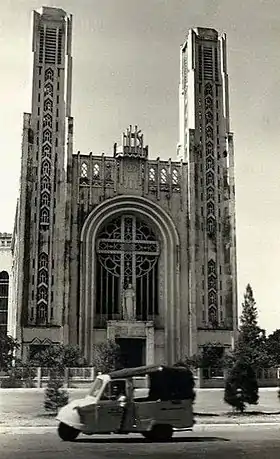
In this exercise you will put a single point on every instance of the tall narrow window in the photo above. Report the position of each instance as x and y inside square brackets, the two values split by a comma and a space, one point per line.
[48, 105]
[43, 260]
[46, 167]
[96, 172]
[152, 175]
[44, 217]
[47, 120]
[163, 176]
[175, 177]
[47, 136]
[49, 74]
[49, 90]
[84, 170]
[4, 296]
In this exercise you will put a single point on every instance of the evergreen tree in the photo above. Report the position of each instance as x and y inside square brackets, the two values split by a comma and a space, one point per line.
[250, 347]
[55, 395]
[273, 348]
[241, 386]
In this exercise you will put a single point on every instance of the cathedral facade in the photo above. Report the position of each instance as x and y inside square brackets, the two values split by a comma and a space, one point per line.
[125, 247]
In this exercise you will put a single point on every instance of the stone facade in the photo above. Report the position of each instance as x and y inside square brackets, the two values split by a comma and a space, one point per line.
[108, 247]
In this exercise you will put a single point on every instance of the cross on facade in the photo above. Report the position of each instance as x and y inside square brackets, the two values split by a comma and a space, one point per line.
[130, 250]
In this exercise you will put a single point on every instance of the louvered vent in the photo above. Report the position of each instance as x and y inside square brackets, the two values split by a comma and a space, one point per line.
[185, 71]
[208, 63]
[50, 46]
[41, 45]
[200, 62]
[216, 65]
[59, 47]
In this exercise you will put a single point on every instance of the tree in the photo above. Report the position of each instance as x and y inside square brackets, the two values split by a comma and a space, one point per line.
[59, 356]
[72, 357]
[273, 348]
[250, 347]
[55, 395]
[106, 356]
[211, 356]
[241, 386]
[7, 347]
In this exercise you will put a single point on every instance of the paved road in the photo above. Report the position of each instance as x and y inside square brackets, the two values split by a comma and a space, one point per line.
[230, 443]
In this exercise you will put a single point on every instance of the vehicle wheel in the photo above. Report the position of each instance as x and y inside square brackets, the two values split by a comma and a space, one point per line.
[159, 432]
[67, 433]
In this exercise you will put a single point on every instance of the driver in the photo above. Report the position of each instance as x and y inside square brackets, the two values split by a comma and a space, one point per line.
[118, 389]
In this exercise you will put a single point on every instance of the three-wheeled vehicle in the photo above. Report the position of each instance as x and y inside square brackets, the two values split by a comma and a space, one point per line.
[116, 404]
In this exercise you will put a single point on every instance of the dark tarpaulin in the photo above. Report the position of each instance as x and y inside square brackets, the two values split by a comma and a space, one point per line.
[166, 382]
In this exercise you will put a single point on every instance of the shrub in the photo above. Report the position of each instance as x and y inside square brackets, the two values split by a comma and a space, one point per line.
[59, 356]
[241, 386]
[55, 395]
[8, 345]
[21, 375]
[106, 356]
[11, 382]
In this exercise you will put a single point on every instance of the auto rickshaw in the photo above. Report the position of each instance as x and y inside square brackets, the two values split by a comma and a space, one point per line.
[116, 404]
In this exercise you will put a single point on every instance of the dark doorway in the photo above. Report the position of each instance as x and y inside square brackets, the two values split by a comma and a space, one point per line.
[133, 353]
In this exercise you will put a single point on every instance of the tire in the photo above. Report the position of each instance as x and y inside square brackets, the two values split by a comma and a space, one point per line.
[159, 432]
[67, 433]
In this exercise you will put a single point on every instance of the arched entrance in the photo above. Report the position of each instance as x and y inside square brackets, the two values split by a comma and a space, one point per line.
[130, 248]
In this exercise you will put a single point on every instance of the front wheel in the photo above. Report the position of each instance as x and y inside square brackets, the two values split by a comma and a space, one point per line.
[67, 433]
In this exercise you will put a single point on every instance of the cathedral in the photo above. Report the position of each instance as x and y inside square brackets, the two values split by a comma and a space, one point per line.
[124, 247]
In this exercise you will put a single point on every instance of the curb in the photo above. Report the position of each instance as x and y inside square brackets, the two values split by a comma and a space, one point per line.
[198, 428]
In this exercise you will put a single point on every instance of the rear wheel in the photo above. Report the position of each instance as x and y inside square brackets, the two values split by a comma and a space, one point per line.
[67, 433]
[159, 432]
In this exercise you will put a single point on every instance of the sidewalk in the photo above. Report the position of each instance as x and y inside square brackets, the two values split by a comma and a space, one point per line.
[44, 420]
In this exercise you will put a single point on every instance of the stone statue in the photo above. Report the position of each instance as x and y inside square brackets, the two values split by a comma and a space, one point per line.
[129, 312]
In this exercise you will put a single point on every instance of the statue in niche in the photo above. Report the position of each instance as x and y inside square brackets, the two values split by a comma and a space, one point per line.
[129, 303]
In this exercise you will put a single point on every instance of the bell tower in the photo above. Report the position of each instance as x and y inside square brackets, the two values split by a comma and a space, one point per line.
[46, 150]
[206, 143]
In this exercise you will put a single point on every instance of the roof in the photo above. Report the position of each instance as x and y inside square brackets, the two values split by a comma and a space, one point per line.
[145, 370]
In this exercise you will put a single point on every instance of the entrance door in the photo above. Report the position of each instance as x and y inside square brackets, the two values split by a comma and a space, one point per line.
[133, 352]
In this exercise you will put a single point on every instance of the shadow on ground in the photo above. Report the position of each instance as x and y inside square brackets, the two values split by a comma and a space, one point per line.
[237, 414]
[143, 440]
[254, 413]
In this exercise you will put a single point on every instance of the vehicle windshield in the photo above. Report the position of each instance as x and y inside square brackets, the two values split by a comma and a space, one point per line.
[95, 388]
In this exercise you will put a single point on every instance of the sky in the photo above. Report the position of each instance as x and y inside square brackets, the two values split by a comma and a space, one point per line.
[126, 71]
